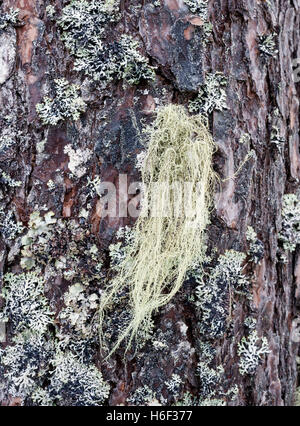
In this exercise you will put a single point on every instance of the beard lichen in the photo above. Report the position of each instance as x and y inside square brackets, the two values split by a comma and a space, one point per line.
[165, 244]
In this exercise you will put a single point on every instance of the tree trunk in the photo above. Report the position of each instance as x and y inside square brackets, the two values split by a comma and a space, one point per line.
[254, 46]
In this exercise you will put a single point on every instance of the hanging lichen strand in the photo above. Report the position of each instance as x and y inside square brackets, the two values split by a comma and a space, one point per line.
[169, 235]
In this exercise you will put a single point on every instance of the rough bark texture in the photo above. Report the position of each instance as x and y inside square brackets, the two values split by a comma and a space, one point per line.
[32, 55]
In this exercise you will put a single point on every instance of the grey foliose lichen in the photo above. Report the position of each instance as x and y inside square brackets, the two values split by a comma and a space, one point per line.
[256, 247]
[143, 395]
[84, 22]
[251, 351]
[74, 383]
[79, 309]
[8, 18]
[43, 368]
[213, 294]
[25, 303]
[290, 232]
[174, 384]
[50, 11]
[77, 160]
[276, 137]
[213, 386]
[119, 250]
[64, 104]
[198, 7]
[212, 95]
[8, 180]
[6, 141]
[33, 360]
[25, 363]
[267, 45]
[84, 26]
[10, 135]
[10, 228]
[120, 60]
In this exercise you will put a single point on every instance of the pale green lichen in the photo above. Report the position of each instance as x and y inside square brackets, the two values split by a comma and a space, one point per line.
[65, 104]
[61, 247]
[120, 249]
[79, 310]
[6, 142]
[42, 368]
[206, 351]
[180, 150]
[77, 158]
[94, 186]
[41, 397]
[51, 359]
[250, 323]
[214, 388]
[200, 8]
[83, 23]
[38, 232]
[207, 29]
[210, 378]
[188, 400]
[121, 61]
[36, 370]
[51, 185]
